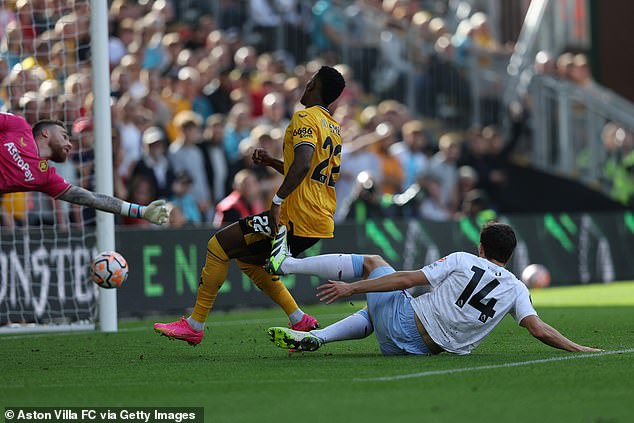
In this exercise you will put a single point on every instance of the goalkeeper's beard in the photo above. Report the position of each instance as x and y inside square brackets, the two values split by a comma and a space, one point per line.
[58, 155]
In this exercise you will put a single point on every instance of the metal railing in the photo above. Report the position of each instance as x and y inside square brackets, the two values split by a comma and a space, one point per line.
[580, 132]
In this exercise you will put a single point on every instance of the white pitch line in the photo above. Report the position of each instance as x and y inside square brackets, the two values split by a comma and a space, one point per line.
[322, 380]
[492, 366]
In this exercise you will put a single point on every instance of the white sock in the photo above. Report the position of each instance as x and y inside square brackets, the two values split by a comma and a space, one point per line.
[328, 266]
[296, 316]
[196, 325]
[355, 326]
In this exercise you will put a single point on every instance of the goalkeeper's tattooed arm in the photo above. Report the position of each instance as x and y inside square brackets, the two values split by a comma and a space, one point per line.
[83, 197]
[156, 212]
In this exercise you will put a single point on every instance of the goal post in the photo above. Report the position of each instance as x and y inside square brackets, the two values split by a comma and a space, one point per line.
[103, 150]
[46, 245]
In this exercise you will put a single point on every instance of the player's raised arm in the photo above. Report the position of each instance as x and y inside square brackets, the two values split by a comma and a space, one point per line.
[156, 212]
[261, 157]
[551, 336]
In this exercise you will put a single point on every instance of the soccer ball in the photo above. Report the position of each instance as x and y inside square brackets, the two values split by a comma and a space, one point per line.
[109, 269]
[536, 276]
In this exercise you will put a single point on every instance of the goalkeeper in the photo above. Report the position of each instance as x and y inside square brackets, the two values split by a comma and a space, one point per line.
[24, 155]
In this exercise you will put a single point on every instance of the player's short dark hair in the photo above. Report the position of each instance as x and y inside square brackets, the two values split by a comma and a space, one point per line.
[45, 123]
[332, 83]
[498, 241]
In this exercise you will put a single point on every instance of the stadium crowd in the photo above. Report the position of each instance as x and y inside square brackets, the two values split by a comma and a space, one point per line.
[196, 86]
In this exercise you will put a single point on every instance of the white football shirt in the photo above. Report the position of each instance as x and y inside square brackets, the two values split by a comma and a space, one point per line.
[470, 296]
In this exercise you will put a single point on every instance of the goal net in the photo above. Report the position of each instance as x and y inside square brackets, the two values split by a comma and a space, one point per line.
[46, 244]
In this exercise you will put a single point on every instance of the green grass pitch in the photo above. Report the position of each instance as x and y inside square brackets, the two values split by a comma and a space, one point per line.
[237, 375]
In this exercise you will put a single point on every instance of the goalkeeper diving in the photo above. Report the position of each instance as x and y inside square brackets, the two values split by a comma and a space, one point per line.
[24, 155]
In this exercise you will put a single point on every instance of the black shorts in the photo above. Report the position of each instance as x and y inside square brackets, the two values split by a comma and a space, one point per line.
[257, 235]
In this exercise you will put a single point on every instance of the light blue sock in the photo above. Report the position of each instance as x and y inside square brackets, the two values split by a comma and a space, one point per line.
[357, 265]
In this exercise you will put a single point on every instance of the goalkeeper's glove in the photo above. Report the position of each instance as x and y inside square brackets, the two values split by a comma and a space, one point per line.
[156, 212]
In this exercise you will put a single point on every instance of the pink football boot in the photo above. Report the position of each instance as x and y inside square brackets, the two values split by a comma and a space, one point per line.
[307, 324]
[181, 330]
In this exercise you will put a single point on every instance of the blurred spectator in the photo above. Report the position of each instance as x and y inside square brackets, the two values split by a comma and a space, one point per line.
[141, 192]
[215, 157]
[564, 65]
[41, 58]
[83, 159]
[76, 89]
[357, 158]
[467, 182]
[482, 35]
[218, 92]
[580, 72]
[365, 32]
[442, 180]
[495, 180]
[49, 95]
[245, 59]
[442, 90]
[14, 209]
[476, 153]
[411, 152]
[394, 65]
[394, 113]
[274, 112]
[433, 206]
[183, 200]
[119, 186]
[119, 40]
[11, 50]
[244, 200]
[184, 154]
[267, 16]
[188, 88]
[238, 128]
[83, 153]
[369, 118]
[365, 201]
[132, 67]
[232, 15]
[619, 166]
[129, 118]
[29, 106]
[149, 37]
[151, 80]
[393, 175]
[18, 82]
[545, 64]
[476, 206]
[262, 136]
[328, 25]
[154, 164]
[119, 82]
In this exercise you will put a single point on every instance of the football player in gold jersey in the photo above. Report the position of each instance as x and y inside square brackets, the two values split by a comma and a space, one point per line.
[304, 204]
